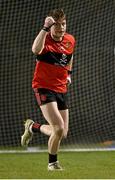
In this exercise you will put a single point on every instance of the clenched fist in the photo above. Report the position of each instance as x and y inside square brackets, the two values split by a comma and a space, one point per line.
[49, 21]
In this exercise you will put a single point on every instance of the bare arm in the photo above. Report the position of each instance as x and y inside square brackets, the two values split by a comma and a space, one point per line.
[70, 71]
[39, 42]
[71, 63]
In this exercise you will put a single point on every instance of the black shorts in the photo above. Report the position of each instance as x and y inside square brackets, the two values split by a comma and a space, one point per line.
[44, 96]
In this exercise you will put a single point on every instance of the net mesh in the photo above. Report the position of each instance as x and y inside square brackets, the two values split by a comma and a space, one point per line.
[92, 95]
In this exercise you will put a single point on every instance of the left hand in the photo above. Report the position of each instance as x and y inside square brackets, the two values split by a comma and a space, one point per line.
[69, 79]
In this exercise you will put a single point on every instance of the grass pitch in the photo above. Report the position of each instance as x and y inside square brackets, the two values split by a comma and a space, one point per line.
[77, 165]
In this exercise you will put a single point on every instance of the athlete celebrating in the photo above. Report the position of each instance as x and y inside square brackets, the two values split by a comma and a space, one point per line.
[54, 50]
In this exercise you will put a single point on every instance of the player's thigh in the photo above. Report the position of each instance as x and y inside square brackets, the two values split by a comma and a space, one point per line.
[52, 115]
[65, 116]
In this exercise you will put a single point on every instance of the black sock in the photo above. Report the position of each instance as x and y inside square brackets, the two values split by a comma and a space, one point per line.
[36, 127]
[52, 158]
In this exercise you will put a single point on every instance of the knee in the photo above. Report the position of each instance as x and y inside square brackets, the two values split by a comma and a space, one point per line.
[65, 132]
[59, 131]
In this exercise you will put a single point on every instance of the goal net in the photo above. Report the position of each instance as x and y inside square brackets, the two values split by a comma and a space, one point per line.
[92, 92]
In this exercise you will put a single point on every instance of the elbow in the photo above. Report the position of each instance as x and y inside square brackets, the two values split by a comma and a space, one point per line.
[34, 50]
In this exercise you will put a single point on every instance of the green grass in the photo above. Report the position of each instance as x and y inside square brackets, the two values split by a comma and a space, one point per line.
[78, 165]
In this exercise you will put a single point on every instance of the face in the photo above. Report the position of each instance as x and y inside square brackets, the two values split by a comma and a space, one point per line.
[58, 29]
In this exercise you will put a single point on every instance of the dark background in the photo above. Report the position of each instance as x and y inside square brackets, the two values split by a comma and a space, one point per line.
[92, 95]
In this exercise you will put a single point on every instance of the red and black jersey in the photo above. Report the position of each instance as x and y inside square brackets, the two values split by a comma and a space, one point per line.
[52, 64]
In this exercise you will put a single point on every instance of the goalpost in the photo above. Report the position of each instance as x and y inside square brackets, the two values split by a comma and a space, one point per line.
[91, 94]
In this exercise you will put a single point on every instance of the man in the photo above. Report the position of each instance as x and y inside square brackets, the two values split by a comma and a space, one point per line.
[54, 49]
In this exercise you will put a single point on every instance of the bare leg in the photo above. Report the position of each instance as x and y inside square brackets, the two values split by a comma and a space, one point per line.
[47, 129]
[65, 116]
[55, 120]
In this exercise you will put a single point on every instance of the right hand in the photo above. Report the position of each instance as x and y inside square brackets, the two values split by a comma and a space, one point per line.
[49, 21]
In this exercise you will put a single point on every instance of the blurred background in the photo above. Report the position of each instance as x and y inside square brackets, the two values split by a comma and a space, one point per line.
[92, 92]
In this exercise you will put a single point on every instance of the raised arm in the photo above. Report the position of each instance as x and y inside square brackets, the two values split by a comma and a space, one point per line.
[39, 41]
